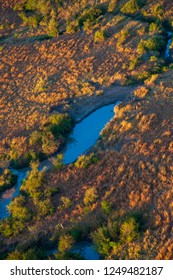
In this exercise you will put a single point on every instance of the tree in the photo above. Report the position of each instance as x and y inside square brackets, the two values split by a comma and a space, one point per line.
[18, 209]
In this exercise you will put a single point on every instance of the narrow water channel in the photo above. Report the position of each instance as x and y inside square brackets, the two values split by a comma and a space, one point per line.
[84, 135]
[167, 54]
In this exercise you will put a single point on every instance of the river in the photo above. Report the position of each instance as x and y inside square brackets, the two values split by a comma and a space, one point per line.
[84, 135]
[167, 54]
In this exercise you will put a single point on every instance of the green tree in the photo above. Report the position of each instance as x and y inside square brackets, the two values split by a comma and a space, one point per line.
[18, 209]
[53, 27]
[131, 7]
[90, 196]
[65, 243]
[129, 230]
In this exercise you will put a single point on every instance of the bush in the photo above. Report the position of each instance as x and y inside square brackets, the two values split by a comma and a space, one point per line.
[90, 196]
[44, 207]
[99, 35]
[51, 136]
[35, 138]
[132, 7]
[155, 28]
[157, 11]
[141, 47]
[115, 238]
[18, 209]
[141, 92]
[58, 162]
[11, 227]
[87, 26]
[129, 230]
[101, 240]
[112, 6]
[84, 161]
[32, 21]
[40, 12]
[89, 15]
[72, 26]
[157, 42]
[65, 243]
[106, 207]
[134, 62]
[49, 145]
[59, 124]
[143, 75]
[7, 180]
[66, 202]
[30, 254]
[52, 29]
[33, 183]
[122, 36]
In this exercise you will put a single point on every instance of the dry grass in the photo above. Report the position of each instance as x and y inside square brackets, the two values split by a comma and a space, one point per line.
[134, 171]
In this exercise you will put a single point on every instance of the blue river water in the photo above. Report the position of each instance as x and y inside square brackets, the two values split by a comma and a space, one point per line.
[84, 135]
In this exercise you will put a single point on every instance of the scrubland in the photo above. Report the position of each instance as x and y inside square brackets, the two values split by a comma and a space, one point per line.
[58, 66]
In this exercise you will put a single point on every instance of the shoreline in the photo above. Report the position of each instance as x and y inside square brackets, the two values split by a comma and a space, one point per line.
[83, 107]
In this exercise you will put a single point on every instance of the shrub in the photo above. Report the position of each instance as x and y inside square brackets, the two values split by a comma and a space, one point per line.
[35, 137]
[32, 21]
[141, 92]
[100, 35]
[33, 182]
[87, 26]
[7, 180]
[90, 15]
[115, 239]
[155, 28]
[157, 11]
[112, 6]
[18, 209]
[30, 5]
[151, 79]
[15, 255]
[66, 201]
[90, 196]
[141, 47]
[59, 124]
[30, 254]
[132, 7]
[143, 75]
[44, 207]
[106, 207]
[41, 12]
[122, 36]
[157, 42]
[72, 26]
[101, 240]
[49, 145]
[52, 29]
[84, 161]
[129, 230]
[65, 243]
[11, 227]
[125, 125]
[134, 62]
[58, 162]
[147, 122]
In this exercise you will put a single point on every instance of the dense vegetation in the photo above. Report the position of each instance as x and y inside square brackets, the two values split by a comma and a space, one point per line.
[42, 143]
[60, 60]
[7, 179]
